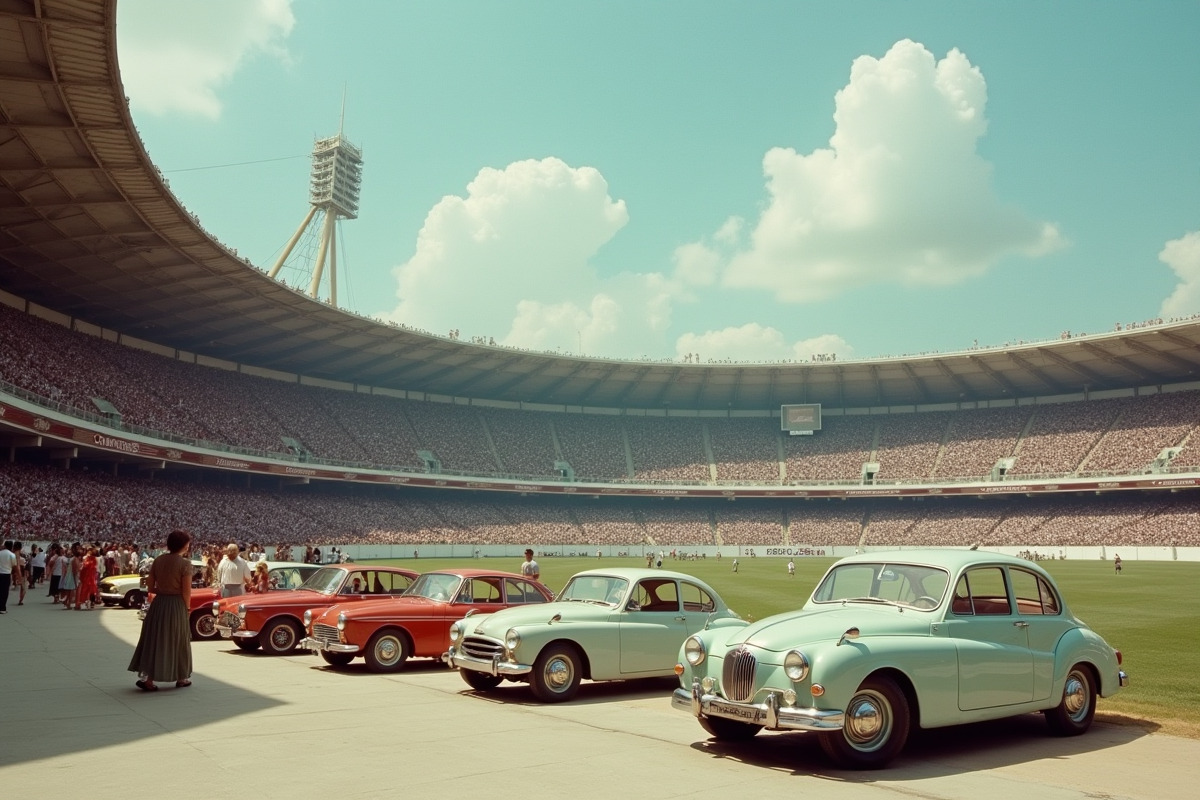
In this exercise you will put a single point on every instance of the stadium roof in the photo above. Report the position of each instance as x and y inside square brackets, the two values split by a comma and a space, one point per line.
[88, 228]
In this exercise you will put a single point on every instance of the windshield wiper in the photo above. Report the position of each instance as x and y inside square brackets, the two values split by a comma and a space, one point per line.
[879, 600]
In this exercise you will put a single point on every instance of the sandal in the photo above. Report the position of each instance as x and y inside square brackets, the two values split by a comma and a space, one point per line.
[182, 684]
[146, 687]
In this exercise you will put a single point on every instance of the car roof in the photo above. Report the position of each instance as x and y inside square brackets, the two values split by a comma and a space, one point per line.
[638, 573]
[948, 558]
[475, 572]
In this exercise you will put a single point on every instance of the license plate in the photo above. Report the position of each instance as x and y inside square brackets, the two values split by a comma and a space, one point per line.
[739, 712]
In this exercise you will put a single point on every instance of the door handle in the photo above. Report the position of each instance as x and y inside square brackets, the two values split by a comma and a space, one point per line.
[1021, 623]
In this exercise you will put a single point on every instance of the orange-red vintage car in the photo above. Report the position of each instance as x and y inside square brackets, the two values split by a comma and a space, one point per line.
[386, 633]
[281, 574]
[272, 620]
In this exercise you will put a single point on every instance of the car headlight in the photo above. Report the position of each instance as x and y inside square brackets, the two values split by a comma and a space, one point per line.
[241, 611]
[456, 631]
[216, 607]
[512, 640]
[308, 617]
[342, 621]
[795, 666]
[693, 651]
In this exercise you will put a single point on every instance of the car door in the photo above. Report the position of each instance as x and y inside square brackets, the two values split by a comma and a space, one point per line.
[653, 626]
[1038, 604]
[995, 666]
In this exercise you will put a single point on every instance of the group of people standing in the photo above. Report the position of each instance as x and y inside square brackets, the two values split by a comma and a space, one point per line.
[73, 572]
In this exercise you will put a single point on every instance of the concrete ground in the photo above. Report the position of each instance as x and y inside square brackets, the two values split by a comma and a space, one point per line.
[71, 721]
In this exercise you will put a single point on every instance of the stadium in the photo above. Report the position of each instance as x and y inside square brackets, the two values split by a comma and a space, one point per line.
[150, 378]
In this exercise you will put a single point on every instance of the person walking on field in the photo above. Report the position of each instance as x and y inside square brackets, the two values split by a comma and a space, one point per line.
[164, 648]
[9, 568]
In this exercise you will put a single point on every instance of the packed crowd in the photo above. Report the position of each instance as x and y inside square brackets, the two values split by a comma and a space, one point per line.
[41, 503]
[232, 409]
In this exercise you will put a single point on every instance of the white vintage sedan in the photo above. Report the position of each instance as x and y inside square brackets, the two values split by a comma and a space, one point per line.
[889, 641]
[607, 624]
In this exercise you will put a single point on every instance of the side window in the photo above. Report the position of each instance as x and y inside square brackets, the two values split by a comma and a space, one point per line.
[485, 590]
[1033, 594]
[521, 592]
[696, 599]
[657, 595]
[981, 592]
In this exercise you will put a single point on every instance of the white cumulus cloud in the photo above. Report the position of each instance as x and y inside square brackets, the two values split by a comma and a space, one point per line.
[510, 262]
[1182, 255]
[175, 56]
[901, 195]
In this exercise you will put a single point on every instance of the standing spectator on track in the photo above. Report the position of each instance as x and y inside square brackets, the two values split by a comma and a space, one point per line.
[529, 567]
[233, 573]
[37, 566]
[8, 569]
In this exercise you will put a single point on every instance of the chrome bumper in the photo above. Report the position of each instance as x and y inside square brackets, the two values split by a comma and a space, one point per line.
[317, 646]
[228, 632]
[495, 666]
[771, 715]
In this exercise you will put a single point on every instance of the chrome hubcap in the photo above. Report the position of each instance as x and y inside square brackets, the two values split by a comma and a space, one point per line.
[387, 650]
[868, 721]
[1075, 698]
[558, 674]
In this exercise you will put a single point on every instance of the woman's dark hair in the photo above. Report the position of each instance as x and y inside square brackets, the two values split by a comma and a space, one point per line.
[177, 540]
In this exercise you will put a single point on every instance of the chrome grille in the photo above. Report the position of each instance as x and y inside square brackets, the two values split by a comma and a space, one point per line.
[325, 633]
[481, 647]
[737, 676]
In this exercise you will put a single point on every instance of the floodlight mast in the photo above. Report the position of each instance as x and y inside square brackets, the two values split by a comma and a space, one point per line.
[333, 190]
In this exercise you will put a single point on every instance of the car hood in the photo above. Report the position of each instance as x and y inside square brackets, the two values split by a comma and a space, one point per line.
[300, 597]
[382, 608]
[496, 624]
[799, 628]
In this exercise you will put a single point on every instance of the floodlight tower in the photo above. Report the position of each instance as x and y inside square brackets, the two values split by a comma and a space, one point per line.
[333, 190]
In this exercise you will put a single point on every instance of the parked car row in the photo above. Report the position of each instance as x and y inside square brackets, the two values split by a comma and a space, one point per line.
[887, 642]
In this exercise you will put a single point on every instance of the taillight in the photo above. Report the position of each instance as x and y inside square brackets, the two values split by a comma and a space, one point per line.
[1119, 660]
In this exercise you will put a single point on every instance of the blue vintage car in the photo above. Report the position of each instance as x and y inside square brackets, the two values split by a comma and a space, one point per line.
[607, 624]
[889, 641]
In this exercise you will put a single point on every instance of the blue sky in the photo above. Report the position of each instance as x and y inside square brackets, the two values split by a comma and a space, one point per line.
[755, 181]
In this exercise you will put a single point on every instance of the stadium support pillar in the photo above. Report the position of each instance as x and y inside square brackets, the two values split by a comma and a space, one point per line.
[291, 245]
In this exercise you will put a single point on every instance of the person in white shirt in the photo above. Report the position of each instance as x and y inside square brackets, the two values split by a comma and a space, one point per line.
[233, 573]
[10, 568]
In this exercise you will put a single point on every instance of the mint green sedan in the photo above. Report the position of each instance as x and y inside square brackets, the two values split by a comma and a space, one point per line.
[889, 641]
[607, 624]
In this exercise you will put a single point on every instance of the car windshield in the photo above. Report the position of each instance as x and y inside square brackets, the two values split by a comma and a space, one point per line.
[325, 581]
[604, 589]
[435, 586]
[910, 585]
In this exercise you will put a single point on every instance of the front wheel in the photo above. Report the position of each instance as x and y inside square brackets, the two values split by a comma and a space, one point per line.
[1073, 714]
[387, 651]
[556, 674]
[133, 598]
[280, 637]
[876, 726]
[337, 659]
[480, 681]
[204, 625]
[729, 730]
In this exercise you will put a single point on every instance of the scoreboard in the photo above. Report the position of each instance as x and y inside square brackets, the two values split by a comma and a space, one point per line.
[800, 419]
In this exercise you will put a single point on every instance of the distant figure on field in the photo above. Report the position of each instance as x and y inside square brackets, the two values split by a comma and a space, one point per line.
[791, 568]
[1117, 563]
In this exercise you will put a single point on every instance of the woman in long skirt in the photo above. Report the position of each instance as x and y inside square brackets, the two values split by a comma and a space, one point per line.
[164, 649]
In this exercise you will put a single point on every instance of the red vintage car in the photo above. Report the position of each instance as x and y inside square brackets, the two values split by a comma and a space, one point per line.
[386, 633]
[272, 620]
[282, 575]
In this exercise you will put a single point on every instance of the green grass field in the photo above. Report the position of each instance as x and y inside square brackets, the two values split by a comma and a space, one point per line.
[1151, 613]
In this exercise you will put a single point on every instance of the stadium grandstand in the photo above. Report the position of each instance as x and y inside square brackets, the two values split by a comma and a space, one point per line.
[150, 378]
